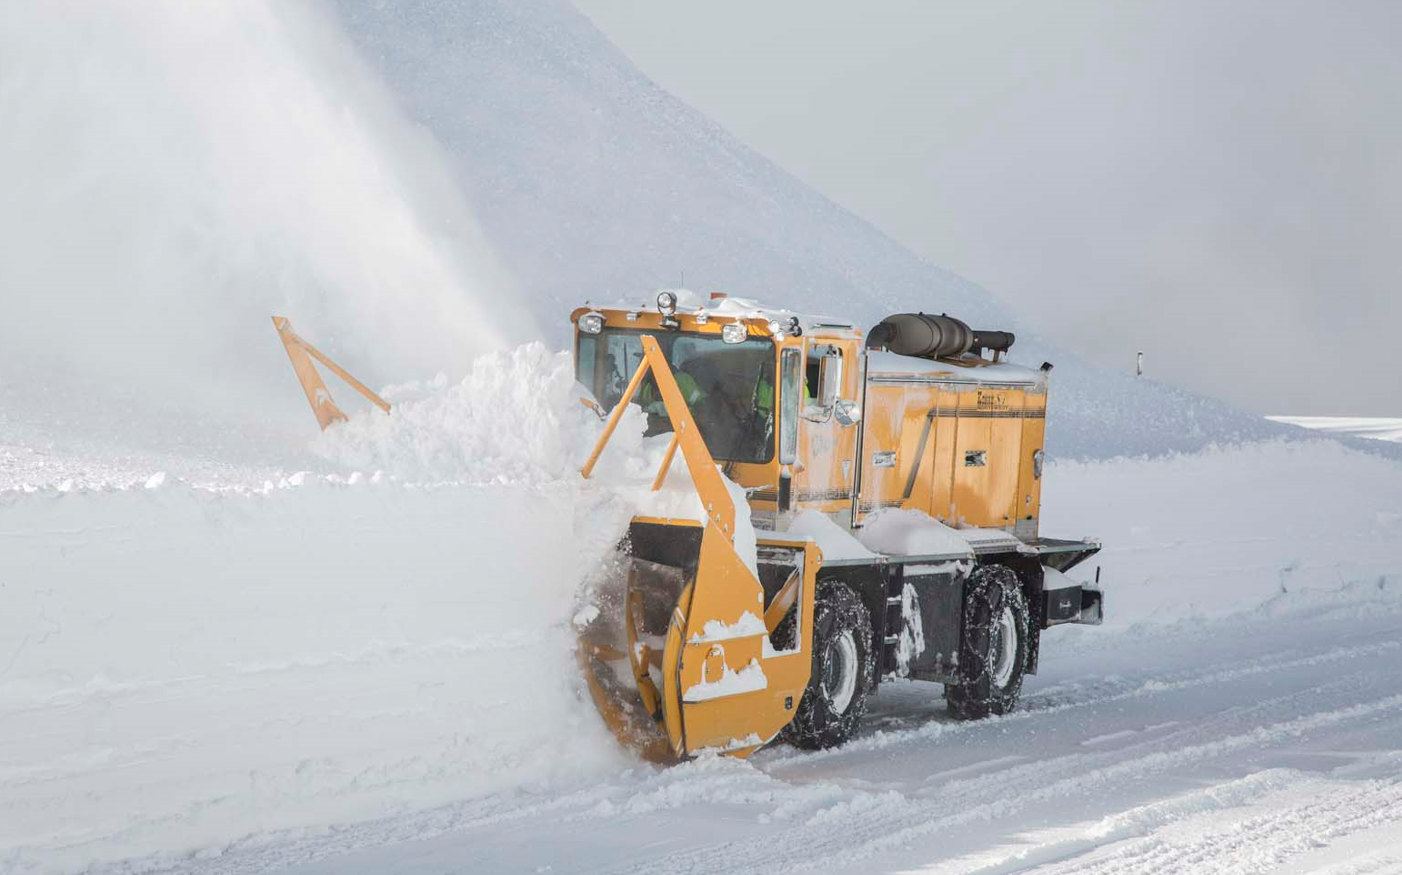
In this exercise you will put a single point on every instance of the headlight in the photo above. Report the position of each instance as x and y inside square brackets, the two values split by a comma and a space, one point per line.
[666, 303]
[775, 328]
[734, 332]
[591, 323]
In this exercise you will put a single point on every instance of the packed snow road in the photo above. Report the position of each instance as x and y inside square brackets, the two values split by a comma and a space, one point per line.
[342, 672]
[1241, 744]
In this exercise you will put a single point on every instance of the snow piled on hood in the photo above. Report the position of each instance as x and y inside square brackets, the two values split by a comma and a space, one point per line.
[906, 532]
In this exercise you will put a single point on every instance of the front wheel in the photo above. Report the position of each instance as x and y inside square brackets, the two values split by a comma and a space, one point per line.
[993, 655]
[843, 667]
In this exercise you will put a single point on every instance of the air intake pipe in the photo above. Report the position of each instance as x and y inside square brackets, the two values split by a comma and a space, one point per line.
[932, 337]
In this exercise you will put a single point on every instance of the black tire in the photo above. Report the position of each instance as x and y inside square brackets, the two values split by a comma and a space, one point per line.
[843, 667]
[994, 606]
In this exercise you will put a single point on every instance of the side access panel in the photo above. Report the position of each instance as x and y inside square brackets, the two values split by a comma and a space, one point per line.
[932, 612]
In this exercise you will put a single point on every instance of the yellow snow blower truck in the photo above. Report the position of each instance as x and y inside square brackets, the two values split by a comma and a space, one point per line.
[692, 649]
[918, 430]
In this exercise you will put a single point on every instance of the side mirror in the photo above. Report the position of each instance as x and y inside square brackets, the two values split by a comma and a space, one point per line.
[847, 413]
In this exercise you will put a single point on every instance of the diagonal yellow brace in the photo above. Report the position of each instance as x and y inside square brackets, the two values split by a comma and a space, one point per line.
[710, 485]
[301, 354]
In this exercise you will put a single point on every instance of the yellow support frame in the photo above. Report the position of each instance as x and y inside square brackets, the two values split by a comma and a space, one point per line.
[301, 354]
[710, 485]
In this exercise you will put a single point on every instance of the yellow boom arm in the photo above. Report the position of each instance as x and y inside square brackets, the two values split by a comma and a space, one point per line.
[318, 396]
[720, 508]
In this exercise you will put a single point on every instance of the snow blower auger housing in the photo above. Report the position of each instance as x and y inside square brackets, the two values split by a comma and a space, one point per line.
[826, 429]
[690, 650]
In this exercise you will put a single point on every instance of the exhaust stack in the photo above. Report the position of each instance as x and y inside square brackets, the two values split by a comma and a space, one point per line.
[934, 337]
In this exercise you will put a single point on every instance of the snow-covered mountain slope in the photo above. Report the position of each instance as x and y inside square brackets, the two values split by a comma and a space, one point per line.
[412, 183]
[591, 181]
[1381, 428]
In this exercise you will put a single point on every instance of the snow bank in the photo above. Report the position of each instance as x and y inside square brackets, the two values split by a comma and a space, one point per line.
[1229, 529]
[180, 668]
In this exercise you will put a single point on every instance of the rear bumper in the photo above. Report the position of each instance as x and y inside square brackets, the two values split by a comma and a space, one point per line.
[1074, 604]
[1092, 607]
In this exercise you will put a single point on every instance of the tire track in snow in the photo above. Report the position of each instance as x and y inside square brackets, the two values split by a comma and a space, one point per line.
[1052, 700]
[1020, 788]
[878, 822]
[834, 816]
[1248, 841]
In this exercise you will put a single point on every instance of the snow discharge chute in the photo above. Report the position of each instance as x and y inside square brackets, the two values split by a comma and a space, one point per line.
[683, 654]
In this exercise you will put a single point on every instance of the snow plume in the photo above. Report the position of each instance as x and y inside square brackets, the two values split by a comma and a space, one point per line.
[176, 173]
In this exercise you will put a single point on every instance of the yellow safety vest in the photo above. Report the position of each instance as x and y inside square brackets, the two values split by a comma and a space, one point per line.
[652, 399]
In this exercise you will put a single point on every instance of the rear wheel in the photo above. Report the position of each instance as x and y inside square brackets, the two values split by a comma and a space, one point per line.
[843, 666]
[994, 651]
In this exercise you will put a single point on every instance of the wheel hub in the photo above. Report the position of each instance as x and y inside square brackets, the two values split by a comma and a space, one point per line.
[840, 672]
[1004, 648]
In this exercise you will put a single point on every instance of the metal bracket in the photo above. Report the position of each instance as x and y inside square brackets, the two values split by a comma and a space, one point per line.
[318, 396]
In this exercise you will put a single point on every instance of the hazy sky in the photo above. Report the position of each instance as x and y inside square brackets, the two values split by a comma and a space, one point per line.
[1218, 184]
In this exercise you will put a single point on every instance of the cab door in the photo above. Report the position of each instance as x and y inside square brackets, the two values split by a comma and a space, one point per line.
[826, 473]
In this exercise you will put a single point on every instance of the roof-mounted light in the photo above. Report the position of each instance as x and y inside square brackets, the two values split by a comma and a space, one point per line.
[667, 306]
[790, 326]
[734, 332]
[591, 323]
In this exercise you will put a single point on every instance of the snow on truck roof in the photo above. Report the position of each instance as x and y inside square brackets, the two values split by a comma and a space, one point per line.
[970, 369]
[689, 301]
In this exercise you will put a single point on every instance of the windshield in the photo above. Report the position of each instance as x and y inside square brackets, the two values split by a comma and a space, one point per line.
[728, 386]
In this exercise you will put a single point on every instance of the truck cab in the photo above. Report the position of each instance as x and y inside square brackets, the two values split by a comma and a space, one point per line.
[776, 395]
[814, 417]
[808, 417]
